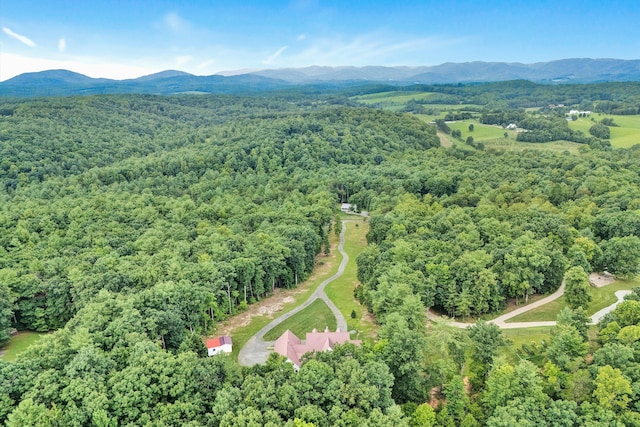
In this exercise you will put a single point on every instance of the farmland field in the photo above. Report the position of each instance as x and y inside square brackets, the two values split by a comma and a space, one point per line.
[625, 135]
[397, 100]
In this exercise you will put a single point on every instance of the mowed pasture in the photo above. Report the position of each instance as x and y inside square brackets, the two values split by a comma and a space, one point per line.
[397, 100]
[395, 97]
[480, 132]
[625, 135]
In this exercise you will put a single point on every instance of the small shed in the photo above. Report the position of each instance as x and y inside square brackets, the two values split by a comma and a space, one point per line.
[347, 207]
[219, 345]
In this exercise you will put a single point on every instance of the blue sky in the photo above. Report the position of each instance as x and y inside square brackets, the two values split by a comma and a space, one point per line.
[126, 39]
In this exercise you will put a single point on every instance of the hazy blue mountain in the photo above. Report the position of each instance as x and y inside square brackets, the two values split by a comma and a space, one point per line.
[566, 70]
[63, 82]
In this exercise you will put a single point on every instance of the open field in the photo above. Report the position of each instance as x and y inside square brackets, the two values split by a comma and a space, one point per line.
[626, 135]
[316, 316]
[480, 132]
[396, 101]
[18, 344]
[395, 97]
[600, 298]
[340, 291]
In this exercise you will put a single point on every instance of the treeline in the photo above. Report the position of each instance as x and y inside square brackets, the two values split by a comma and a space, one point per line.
[509, 95]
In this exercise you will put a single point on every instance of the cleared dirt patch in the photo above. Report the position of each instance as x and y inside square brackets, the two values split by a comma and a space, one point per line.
[601, 279]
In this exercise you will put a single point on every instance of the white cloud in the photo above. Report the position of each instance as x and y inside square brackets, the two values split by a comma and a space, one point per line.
[273, 57]
[301, 37]
[24, 39]
[371, 49]
[62, 44]
[175, 23]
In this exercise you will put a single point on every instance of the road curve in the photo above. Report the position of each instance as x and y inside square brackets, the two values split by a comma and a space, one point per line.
[501, 321]
[256, 350]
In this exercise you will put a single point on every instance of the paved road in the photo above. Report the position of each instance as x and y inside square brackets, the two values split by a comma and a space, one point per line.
[501, 321]
[256, 350]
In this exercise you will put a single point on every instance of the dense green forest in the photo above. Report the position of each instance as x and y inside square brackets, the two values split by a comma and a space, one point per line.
[130, 225]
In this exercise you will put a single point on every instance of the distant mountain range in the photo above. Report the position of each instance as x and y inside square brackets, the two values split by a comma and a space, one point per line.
[63, 82]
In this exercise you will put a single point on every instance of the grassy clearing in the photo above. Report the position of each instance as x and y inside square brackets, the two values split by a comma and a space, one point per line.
[480, 132]
[394, 97]
[511, 144]
[515, 338]
[18, 344]
[397, 100]
[600, 298]
[317, 316]
[625, 135]
[340, 291]
[326, 266]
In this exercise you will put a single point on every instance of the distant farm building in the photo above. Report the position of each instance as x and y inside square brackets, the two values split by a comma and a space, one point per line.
[579, 113]
[291, 347]
[219, 345]
[347, 207]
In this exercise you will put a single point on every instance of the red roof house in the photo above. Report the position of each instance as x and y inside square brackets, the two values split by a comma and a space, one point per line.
[219, 345]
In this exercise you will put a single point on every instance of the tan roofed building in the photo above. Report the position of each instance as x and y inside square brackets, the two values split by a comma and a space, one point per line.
[291, 347]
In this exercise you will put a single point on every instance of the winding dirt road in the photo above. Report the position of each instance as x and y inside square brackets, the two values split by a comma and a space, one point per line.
[256, 350]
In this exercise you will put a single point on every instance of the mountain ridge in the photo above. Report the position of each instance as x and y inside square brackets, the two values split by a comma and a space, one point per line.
[575, 70]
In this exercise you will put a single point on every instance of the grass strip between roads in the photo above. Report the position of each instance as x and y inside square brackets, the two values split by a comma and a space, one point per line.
[317, 316]
[340, 291]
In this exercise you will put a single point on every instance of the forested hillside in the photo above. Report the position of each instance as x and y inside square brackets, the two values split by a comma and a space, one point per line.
[154, 197]
[475, 230]
[131, 225]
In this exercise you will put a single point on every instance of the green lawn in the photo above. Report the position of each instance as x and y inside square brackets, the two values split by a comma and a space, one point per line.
[340, 291]
[625, 135]
[600, 298]
[515, 338]
[19, 343]
[316, 316]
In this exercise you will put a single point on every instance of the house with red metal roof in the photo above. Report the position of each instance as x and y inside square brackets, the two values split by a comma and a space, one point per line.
[219, 345]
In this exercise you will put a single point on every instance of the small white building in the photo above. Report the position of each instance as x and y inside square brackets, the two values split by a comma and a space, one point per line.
[219, 345]
[347, 207]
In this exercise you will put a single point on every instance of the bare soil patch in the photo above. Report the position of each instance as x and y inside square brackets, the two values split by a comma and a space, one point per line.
[601, 279]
